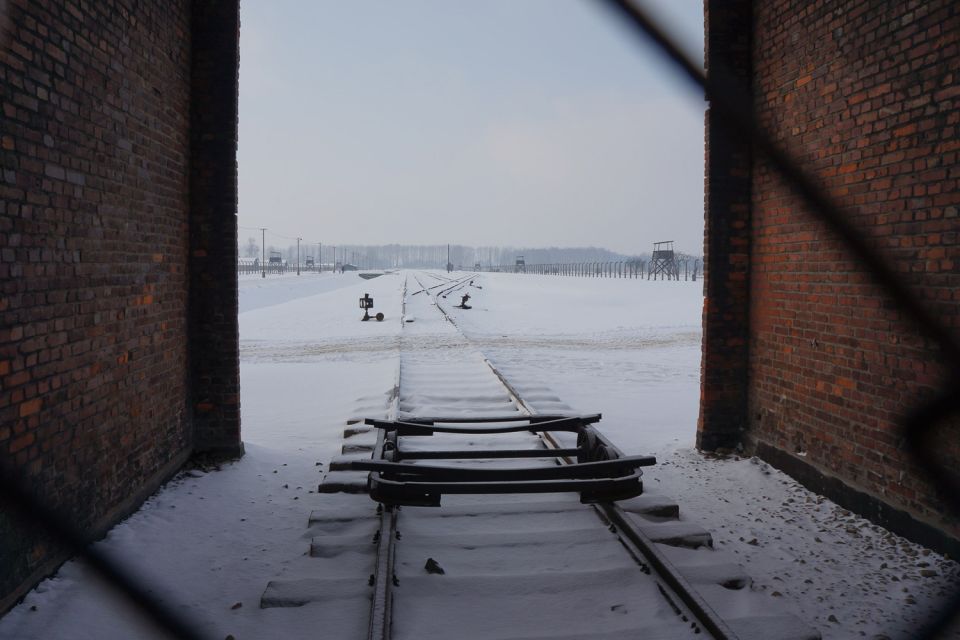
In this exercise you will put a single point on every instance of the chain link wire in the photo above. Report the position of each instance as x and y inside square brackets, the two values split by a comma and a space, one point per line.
[727, 102]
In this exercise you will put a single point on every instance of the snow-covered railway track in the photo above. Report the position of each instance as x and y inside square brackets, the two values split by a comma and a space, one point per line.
[512, 565]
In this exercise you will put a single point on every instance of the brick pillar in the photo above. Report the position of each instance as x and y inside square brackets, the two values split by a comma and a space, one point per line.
[723, 380]
[214, 337]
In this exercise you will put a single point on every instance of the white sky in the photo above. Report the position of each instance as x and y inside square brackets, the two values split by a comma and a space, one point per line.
[493, 122]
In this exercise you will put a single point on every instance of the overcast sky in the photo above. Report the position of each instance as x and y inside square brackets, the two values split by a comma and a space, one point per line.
[492, 122]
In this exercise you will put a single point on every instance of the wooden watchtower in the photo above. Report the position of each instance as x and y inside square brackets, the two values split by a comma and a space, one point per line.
[664, 262]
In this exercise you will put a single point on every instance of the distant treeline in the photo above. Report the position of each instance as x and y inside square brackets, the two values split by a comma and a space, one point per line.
[435, 256]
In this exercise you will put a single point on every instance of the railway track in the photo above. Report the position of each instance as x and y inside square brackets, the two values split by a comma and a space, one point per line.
[529, 565]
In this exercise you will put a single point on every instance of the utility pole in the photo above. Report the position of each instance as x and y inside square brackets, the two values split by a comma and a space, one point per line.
[298, 254]
[319, 257]
[263, 252]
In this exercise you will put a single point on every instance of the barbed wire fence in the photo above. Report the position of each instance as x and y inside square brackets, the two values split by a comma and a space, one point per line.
[266, 255]
[688, 268]
[726, 100]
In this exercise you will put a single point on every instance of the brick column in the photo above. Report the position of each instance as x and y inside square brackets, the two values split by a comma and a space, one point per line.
[214, 348]
[723, 385]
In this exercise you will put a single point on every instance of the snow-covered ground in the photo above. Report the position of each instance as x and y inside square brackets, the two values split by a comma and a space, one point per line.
[210, 541]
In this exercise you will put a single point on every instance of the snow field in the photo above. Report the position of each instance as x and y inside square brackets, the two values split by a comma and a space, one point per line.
[626, 348]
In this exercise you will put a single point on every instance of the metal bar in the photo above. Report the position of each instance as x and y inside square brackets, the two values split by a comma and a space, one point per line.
[602, 440]
[506, 418]
[597, 489]
[454, 474]
[466, 454]
[413, 428]
[381, 601]
[587, 418]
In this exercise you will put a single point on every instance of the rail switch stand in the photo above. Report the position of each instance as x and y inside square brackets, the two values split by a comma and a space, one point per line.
[366, 303]
[463, 302]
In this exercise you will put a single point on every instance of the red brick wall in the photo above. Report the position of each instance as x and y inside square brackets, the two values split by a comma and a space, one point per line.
[95, 237]
[866, 95]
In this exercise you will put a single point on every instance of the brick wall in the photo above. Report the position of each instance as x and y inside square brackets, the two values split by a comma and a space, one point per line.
[866, 95]
[95, 273]
[214, 331]
[722, 420]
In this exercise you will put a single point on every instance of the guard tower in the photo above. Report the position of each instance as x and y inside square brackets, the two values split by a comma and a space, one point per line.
[521, 265]
[664, 262]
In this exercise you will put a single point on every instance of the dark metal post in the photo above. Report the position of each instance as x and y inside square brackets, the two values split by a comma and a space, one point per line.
[263, 252]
